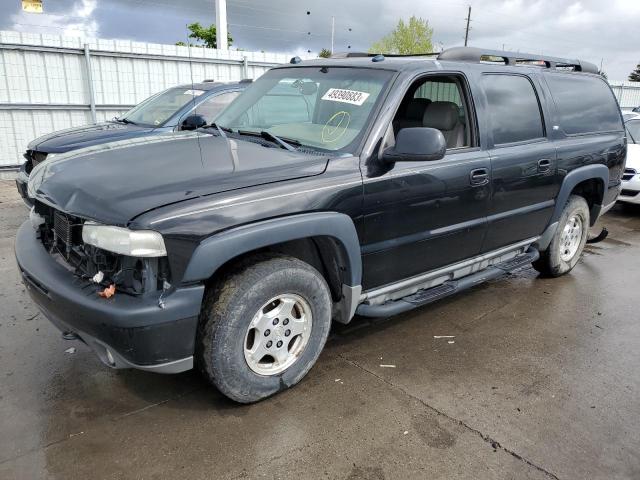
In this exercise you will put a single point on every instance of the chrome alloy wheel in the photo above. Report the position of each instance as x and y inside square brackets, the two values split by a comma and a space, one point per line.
[278, 334]
[570, 238]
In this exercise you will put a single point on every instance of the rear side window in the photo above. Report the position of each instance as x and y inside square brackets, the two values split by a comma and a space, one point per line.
[584, 104]
[513, 108]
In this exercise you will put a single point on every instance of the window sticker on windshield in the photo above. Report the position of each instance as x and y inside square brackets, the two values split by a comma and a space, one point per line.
[193, 93]
[346, 96]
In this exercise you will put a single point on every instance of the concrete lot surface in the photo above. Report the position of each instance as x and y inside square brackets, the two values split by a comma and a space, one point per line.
[542, 381]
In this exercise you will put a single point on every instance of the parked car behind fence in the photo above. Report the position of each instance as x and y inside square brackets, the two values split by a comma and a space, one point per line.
[185, 107]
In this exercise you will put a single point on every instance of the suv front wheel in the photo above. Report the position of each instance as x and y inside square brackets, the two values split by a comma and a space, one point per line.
[263, 326]
[569, 240]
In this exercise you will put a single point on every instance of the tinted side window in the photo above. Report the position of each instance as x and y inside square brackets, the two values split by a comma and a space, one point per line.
[513, 108]
[585, 104]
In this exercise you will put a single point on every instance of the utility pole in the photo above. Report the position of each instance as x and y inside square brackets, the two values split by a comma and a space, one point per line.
[333, 31]
[221, 25]
[466, 33]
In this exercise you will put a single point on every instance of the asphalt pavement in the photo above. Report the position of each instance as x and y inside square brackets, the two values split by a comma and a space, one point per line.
[532, 379]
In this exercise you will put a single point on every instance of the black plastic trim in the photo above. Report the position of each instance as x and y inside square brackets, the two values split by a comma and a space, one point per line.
[215, 251]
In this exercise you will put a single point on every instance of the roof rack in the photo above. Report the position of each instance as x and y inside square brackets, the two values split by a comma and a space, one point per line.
[479, 55]
[390, 55]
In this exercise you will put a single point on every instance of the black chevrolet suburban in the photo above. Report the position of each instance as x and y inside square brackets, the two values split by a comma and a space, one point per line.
[365, 184]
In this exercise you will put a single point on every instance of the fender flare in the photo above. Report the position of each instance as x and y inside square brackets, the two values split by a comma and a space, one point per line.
[573, 178]
[215, 251]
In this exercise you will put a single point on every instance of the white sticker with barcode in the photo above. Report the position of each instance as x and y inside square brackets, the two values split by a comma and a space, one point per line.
[193, 93]
[346, 96]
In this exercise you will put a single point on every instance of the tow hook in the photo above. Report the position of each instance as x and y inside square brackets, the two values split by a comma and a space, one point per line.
[598, 238]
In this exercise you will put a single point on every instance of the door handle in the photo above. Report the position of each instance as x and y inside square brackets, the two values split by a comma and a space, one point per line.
[479, 176]
[544, 165]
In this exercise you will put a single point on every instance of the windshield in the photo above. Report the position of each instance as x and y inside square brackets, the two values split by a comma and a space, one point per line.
[156, 110]
[325, 108]
[633, 131]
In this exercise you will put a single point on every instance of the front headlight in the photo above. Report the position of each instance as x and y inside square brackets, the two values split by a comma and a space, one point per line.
[133, 243]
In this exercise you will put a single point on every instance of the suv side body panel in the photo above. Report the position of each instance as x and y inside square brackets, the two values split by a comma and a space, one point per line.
[524, 176]
[607, 148]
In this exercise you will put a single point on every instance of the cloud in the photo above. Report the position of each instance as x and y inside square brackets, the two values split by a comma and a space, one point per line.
[75, 19]
[593, 30]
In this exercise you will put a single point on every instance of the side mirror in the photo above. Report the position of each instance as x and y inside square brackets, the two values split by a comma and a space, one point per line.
[419, 144]
[193, 122]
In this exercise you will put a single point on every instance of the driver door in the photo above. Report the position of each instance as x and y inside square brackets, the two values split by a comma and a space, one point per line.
[420, 216]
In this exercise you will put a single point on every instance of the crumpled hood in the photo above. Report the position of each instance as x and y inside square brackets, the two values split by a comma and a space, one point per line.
[115, 182]
[80, 137]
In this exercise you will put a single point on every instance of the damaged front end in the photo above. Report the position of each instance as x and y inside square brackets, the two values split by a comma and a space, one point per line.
[131, 271]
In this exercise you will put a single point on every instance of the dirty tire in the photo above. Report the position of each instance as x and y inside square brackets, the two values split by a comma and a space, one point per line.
[551, 263]
[228, 309]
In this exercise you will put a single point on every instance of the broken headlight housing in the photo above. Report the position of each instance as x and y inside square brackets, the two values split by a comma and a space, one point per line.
[133, 243]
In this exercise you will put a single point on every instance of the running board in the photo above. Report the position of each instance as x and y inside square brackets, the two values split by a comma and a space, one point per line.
[424, 297]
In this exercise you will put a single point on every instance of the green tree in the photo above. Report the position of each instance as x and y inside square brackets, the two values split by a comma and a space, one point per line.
[325, 53]
[407, 38]
[206, 35]
[635, 75]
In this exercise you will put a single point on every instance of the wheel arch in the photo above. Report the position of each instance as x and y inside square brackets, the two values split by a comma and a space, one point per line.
[590, 182]
[326, 240]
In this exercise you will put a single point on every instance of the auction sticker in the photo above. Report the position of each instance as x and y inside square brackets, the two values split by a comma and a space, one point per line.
[346, 96]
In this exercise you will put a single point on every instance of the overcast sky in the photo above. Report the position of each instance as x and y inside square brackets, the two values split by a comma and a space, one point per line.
[594, 30]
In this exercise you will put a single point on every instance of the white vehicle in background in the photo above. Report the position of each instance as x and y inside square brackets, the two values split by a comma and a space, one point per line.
[631, 179]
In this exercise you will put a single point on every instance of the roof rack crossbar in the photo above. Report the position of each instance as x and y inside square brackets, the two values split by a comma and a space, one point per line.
[390, 55]
[477, 55]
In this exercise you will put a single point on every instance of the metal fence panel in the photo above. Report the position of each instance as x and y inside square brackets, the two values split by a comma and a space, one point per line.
[44, 80]
[628, 94]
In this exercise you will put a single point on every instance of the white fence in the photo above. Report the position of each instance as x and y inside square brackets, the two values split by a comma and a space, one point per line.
[627, 93]
[50, 82]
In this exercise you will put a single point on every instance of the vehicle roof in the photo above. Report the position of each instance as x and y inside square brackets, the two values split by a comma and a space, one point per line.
[207, 86]
[455, 58]
[421, 63]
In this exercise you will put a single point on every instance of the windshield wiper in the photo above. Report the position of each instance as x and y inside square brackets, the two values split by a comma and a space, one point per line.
[220, 128]
[124, 120]
[288, 144]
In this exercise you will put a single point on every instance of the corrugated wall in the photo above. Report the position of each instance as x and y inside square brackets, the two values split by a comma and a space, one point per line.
[44, 80]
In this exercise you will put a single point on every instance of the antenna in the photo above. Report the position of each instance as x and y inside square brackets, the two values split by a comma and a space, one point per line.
[193, 92]
[466, 32]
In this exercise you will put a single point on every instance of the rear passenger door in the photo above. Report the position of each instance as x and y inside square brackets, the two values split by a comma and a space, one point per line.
[523, 159]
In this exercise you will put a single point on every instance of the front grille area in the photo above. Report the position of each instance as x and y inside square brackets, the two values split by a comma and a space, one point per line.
[628, 174]
[66, 231]
[628, 193]
[61, 235]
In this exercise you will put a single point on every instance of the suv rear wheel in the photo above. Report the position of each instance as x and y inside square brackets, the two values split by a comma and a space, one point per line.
[263, 327]
[568, 242]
